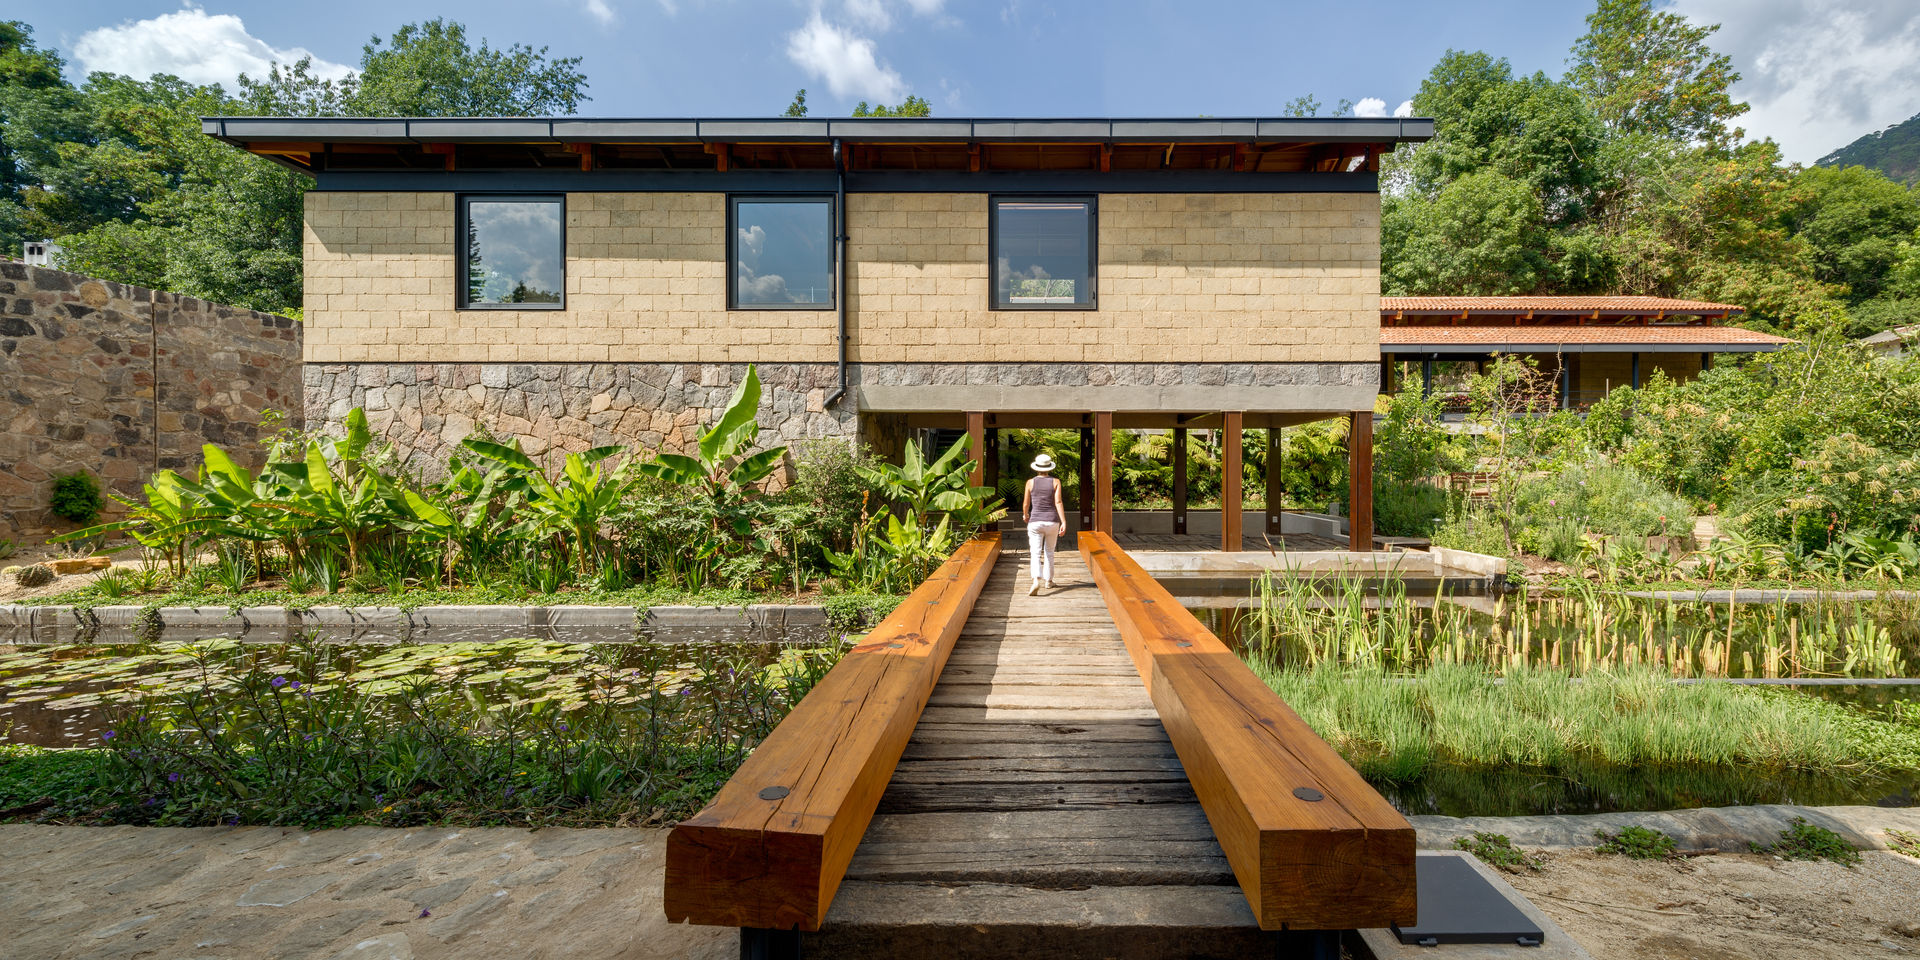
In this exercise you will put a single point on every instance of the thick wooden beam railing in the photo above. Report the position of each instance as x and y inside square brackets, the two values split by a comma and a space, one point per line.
[772, 847]
[1313, 846]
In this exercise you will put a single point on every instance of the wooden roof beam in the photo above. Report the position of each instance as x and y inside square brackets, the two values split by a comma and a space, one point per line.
[722, 155]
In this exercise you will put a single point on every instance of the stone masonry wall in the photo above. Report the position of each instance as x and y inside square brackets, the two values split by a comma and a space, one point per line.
[1277, 278]
[426, 409]
[118, 380]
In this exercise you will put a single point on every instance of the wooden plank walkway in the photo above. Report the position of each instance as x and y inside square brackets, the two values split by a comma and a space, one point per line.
[1039, 808]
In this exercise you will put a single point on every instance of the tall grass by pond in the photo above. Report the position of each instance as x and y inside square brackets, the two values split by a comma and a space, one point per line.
[523, 732]
[1463, 740]
[1307, 622]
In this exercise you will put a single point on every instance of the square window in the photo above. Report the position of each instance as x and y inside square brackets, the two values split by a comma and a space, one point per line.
[1044, 253]
[514, 253]
[780, 253]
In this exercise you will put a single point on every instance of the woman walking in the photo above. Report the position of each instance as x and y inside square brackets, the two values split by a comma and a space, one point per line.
[1044, 511]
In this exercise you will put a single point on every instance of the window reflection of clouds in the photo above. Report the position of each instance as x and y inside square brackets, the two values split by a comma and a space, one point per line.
[516, 243]
[781, 253]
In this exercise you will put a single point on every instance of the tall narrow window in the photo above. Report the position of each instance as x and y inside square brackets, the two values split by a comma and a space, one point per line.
[513, 253]
[1043, 253]
[780, 253]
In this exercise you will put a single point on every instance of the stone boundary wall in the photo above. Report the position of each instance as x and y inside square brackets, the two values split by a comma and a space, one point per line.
[118, 381]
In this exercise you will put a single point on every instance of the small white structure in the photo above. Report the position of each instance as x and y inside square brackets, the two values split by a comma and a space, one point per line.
[40, 253]
[1896, 343]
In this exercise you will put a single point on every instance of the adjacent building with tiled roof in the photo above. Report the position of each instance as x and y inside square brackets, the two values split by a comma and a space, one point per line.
[1589, 344]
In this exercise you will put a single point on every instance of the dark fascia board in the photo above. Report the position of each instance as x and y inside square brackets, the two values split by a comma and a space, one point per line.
[240, 130]
[818, 181]
[642, 131]
[1483, 349]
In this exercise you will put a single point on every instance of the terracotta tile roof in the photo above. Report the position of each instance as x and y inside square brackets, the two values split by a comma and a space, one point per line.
[1661, 334]
[1507, 306]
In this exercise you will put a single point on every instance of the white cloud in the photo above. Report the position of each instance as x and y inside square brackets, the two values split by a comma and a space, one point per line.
[190, 44]
[599, 10]
[877, 15]
[844, 60]
[1818, 73]
[1405, 109]
[1370, 107]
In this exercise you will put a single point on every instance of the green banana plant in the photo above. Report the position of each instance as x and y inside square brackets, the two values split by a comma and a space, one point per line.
[573, 509]
[722, 465]
[924, 489]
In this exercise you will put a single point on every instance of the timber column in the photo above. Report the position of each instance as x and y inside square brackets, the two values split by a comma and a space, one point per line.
[1103, 472]
[977, 446]
[1230, 471]
[1360, 480]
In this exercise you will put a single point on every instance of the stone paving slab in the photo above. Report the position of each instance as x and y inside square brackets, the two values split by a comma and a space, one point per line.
[366, 893]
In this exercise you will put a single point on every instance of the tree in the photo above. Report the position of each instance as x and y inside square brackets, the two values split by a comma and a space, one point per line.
[1653, 73]
[1481, 235]
[429, 70]
[798, 108]
[122, 177]
[1854, 222]
[1309, 106]
[912, 106]
[1529, 129]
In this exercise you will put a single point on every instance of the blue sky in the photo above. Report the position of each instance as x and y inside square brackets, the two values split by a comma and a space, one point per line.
[1819, 72]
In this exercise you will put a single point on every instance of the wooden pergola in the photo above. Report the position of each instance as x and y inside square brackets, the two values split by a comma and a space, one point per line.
[1096, 462]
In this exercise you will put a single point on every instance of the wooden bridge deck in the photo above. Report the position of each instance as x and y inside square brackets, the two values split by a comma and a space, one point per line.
[1032, 803]
[1039, 791]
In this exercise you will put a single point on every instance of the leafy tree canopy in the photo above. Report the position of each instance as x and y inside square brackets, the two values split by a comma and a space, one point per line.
[1653, 73]
[912, 106]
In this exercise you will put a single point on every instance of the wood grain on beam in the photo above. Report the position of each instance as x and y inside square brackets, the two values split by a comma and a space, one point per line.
[1312, 845]
[772, 847]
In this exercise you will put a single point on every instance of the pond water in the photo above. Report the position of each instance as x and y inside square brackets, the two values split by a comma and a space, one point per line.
[1462, 791]
[67, 695]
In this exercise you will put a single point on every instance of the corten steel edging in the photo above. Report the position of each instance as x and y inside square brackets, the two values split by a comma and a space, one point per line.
[1312, 845]
[771, 849]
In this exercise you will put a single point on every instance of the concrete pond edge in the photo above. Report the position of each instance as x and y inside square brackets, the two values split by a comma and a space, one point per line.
[67, 624]
[1697, 831]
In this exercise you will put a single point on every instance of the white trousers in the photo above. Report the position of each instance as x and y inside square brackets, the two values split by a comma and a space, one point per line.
[1040, 539]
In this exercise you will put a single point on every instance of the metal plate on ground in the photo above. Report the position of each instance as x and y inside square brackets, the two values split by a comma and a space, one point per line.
[1458, 905]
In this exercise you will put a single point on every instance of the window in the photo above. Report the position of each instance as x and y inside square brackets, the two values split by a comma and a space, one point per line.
[1043, 253]
[780, 253]
[515, 253]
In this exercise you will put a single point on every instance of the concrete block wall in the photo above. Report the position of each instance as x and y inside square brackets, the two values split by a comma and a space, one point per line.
[1283, 278]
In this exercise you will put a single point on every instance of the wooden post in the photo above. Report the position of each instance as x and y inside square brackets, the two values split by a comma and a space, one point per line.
[1230, 482]
[1636, 371]
[1275, 494]
[1360, 480]
[1103, 472]
[1179, 481]
[1086, 478]
[977, 446]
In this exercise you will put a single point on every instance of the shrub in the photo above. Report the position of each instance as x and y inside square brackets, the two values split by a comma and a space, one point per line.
[1409, 509]
[1636, 843]
[76, 497]
[1810, 841]
[1496, 850]
[1553, 513]
[857, 612]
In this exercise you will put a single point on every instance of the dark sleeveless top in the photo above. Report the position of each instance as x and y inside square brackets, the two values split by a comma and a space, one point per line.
[1043, 511]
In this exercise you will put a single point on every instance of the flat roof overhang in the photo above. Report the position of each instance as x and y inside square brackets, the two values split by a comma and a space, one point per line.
[897, 148]
[242, 131]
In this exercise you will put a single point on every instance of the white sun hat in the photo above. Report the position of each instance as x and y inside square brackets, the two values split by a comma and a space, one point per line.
[1042, 463]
